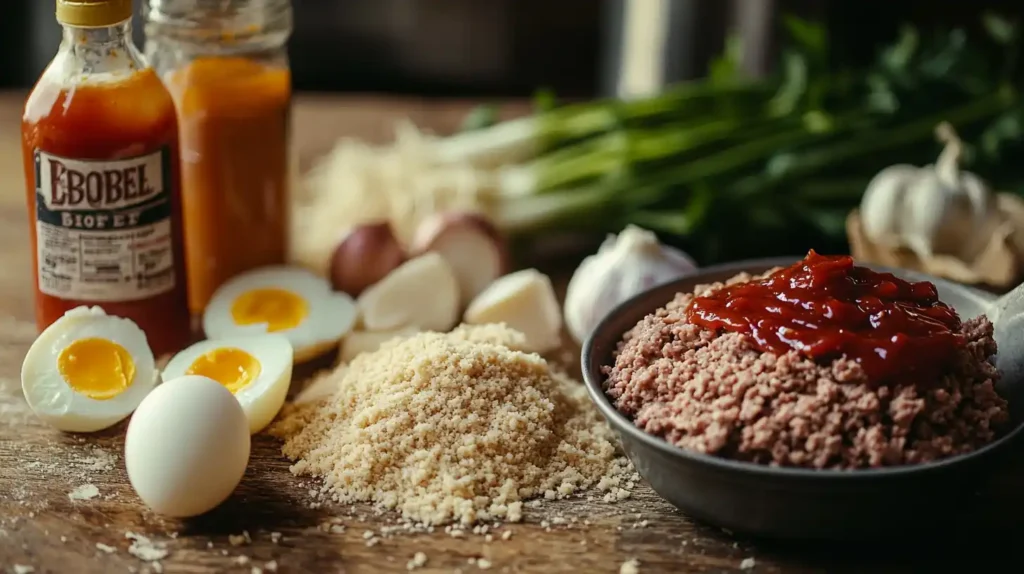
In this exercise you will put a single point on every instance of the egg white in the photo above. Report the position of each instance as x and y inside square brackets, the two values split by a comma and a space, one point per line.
[187, 446]
[54, 401]
[263, 397]
[331, 314]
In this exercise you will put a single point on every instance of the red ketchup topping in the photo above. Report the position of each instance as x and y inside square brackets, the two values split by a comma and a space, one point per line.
[825, 307]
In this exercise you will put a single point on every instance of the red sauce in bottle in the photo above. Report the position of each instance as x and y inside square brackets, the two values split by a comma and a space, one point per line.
[825, 307]
[103, 177]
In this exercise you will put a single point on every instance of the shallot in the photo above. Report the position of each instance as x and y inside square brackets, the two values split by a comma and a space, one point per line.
[364, 256]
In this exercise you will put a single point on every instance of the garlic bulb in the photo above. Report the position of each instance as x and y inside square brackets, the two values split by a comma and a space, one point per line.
[931, 210]
[623, 266]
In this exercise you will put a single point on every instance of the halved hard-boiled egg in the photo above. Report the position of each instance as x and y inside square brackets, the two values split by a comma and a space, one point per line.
[87, 371]
[288, 301]
[257, 369]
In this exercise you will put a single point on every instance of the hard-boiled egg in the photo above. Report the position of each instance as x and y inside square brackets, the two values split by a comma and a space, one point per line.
[187, 446]
[256, 369]
[87, 371]
[289, 301]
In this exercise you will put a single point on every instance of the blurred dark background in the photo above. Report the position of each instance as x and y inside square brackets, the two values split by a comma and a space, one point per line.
[512, 47]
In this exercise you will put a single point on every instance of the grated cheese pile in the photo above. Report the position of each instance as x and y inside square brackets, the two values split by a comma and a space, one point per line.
[454, 426]
[358, 183]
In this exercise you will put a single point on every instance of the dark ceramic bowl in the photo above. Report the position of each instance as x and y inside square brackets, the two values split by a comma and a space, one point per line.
[791, 503]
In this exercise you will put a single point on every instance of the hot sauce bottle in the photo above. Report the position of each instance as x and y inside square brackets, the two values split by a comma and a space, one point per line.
[100, 147]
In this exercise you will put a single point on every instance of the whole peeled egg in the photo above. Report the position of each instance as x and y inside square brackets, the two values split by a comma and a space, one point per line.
[187, 446]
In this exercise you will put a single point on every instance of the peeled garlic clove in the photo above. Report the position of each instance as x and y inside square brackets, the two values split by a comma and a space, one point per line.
[525, 301]
[623, 266]
[421, 293]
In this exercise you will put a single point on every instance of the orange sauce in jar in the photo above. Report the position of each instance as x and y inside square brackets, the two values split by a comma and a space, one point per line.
[234, 118]
[102, 171]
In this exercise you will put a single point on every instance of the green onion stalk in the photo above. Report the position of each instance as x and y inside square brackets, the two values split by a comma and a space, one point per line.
[734, 167]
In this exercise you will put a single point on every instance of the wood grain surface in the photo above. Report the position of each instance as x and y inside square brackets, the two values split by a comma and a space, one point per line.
[43, 530]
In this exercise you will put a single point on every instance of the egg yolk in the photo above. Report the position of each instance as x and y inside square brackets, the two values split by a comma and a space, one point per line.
[97, 368]
[278, 308]
[233, 368]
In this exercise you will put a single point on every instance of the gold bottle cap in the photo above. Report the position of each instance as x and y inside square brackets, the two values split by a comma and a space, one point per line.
[93, 13]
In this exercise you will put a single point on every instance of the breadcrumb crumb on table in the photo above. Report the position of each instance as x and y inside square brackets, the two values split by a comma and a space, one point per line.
[418, 560]
[239, 539]
[145, 549]
[84, 492]
[631, 566]
[408, 417]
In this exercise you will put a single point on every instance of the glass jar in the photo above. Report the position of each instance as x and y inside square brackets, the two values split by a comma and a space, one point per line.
[225, 63]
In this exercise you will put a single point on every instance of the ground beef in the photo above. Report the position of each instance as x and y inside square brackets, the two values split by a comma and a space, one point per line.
[715, 393]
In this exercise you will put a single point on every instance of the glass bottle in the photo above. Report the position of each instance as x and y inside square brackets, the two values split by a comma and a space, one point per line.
[100, 150]
[226, 65]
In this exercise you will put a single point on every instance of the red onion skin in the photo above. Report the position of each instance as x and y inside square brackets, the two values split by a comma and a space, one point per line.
[364, 256]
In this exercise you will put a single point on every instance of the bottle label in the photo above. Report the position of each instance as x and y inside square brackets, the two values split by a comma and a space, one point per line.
[104, 227]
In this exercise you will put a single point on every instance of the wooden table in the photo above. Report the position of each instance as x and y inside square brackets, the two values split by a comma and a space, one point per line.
[42, 528]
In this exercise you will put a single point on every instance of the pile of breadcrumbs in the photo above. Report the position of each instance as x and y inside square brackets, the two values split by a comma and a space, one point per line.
[456, 426]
